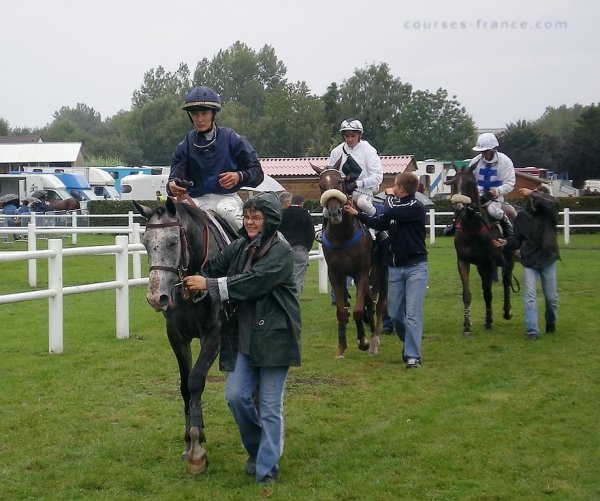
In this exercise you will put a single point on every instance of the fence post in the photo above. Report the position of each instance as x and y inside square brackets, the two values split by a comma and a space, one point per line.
[74, 225]
[122, 291]
[130, 222]
[567, 220]
[55, 302]
[32, 246]
[136, 263]
[432, 226]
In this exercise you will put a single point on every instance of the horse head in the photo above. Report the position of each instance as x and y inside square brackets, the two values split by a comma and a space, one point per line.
[167, 242]
[333, 196]
[463, 188]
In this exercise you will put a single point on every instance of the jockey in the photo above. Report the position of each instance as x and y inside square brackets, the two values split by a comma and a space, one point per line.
[216, 159]
[495, 176]
[361, 164]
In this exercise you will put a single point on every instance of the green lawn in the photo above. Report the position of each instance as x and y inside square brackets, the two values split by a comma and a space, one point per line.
[488, 417]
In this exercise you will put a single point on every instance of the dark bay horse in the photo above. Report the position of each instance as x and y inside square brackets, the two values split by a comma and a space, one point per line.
[179, 238]
[347, 247]
[473, 242]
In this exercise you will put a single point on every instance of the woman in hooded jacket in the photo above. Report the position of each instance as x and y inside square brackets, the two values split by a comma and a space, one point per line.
[260, 338]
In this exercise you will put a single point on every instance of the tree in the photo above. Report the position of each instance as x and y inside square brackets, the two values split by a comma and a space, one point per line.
[84, 116]
[583, 159]
[159, 83]
[158, 126]
[292, 125]
[4, 127]
[331, 101]
[524, 143]
[376, 98]
[432, 126]
[241, 75]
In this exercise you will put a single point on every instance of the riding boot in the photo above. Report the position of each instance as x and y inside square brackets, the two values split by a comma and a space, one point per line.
[507, 227]
[450, 229]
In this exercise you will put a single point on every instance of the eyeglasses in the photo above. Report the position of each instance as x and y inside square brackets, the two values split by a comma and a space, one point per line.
[254, 219]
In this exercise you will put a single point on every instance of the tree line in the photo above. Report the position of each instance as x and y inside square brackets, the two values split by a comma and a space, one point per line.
[284, 119]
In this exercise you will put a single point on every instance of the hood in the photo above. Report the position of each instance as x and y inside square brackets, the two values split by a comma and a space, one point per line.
[268, 203]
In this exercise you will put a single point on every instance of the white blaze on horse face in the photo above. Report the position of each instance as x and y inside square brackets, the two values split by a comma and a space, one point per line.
[164, 249]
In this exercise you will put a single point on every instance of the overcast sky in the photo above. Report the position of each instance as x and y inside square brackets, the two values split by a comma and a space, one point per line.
[504, 60]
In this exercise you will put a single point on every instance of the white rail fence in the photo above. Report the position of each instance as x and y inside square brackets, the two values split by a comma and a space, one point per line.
[127, 242]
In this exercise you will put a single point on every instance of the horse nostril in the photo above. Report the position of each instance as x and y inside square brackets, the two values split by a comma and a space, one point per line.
[163, 300]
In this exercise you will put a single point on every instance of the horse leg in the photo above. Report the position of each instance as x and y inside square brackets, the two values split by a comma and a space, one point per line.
[197, 460]
[362, 295]
[463, 271]
[183, 354]
[487, 277]
[342, 315]
[380, 308]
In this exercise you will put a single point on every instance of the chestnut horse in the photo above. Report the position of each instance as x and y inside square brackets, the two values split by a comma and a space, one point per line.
[179, 238]
[347, 247]
[473, 241]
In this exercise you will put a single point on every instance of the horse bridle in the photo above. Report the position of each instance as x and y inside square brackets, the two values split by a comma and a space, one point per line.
[184, 258]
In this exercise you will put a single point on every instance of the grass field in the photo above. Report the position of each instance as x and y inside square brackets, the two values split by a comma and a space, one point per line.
[491, 417]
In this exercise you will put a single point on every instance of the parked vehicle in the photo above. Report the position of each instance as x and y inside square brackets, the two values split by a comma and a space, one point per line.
[143, 186]
[119, 172]
[24, 184]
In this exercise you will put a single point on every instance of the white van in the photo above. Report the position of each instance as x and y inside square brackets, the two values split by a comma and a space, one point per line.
[143, 186]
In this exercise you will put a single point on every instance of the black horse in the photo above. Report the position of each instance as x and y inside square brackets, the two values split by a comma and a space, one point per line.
[347, 247]
[474, 244]
[179, 238]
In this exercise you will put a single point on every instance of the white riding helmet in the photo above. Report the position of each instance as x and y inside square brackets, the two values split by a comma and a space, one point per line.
[351, 124]
[486, 141]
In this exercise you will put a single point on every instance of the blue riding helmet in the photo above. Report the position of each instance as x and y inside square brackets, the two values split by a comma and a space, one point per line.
[202, 98]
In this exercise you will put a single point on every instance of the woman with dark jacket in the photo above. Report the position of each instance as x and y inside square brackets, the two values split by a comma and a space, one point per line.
[260, 339]
[535, 236]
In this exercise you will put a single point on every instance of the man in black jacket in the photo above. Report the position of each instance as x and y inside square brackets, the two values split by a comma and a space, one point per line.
[298, 229]
[536, 237]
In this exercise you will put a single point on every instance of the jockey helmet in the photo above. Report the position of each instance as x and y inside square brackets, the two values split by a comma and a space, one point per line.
[202, 98]
[486, 141]
[351, 124]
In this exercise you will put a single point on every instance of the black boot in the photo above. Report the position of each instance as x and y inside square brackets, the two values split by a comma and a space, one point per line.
[450, 229]
[507, 227]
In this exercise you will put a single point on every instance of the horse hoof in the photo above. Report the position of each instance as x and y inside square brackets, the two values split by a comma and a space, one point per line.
[197, 466]
[363, 345]
[374, 348]
[340, 352]
[467, 334]
[197, 462]
[507, 315]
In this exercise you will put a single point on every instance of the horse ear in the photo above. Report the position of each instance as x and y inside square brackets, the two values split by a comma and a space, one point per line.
[170, 206]
[142, 209]
[316, 168]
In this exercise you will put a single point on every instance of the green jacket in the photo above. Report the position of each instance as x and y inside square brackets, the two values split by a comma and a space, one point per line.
[269, 287]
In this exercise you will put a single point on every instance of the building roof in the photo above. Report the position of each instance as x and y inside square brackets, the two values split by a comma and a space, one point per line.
[294, 167]
[39, 153]
[32, 138]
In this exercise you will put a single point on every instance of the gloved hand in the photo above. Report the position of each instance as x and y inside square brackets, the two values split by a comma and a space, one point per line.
[350, 186]
[486, 197]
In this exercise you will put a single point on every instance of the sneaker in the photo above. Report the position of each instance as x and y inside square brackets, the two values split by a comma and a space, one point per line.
[413, 363]
[532, 336]
[267, 481]
[250, 466]
[550, 328]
